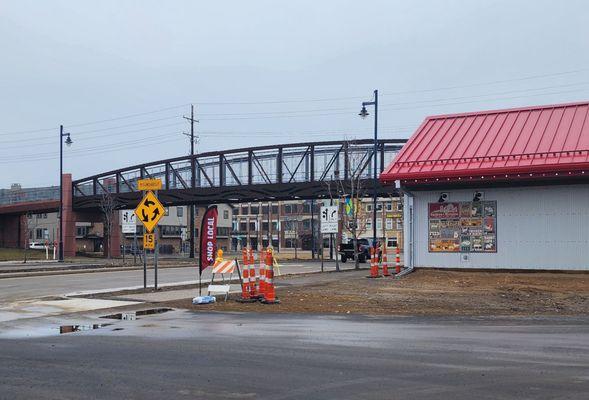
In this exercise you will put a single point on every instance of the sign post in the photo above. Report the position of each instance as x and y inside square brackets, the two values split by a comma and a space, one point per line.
[149, 211]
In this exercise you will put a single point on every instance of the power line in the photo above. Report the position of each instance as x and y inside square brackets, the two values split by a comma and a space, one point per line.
[118, 145]
[525, 78]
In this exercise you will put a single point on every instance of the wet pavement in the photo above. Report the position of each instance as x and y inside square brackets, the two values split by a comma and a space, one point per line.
[34, 287]
[179, 354]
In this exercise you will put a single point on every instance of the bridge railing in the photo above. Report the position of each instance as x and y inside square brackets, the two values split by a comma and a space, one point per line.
[26, 195]
[280, 164]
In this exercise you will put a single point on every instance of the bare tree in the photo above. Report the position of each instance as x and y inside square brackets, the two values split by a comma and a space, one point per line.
[30, 225]
[351, 189]
[293, 225]
[107, 206]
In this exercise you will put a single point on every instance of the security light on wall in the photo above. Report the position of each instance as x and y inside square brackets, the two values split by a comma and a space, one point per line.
[443, 197]
[478, 196]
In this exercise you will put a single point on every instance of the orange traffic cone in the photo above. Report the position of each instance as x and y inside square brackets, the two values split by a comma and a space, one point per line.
[270, 295]
[385, 262]
[262, 280]
[252, 275]
[245, 279]
[373, 264]
[397, 260]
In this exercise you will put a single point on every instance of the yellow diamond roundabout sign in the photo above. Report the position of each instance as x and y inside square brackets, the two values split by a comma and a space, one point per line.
[149, 211]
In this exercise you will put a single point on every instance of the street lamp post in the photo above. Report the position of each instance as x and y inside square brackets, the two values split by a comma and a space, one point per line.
[68, 142]
[364, 113]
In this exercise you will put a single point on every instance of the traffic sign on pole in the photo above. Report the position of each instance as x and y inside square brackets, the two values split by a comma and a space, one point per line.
[149, 211]
[329, 219]
[128, 221]
[149, 184]
[149, 241]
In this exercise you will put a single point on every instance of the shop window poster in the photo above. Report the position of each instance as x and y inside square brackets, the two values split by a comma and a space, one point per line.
[467, 227]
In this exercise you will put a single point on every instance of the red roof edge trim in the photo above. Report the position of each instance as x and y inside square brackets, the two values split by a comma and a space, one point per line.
[489, 172]
[505, 110]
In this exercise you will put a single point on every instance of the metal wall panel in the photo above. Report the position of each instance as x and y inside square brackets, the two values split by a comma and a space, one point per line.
[544, 227]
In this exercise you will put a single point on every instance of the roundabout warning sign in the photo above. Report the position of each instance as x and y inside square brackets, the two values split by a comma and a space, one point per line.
[149, 211]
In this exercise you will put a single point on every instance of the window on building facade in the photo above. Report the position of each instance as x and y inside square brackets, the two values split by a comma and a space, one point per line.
[288, 208]
[243, 226]
[307, 208]
[170, 230]
[265, 226]
[180, 211]
[306, 224]
[254, 210]
[244, 210]
[379, 223]
[369, 224]
[225, 214]
[400, 224]
[81, 231]
[369, 207]
[290, 243]
[275, 210]
[40, 233]
[167, 211]
[389, 206]
[265, 210]
[252, 226]
[399, 206]
[389, 224]
[274, 226]
[378, 206]
[223, 231]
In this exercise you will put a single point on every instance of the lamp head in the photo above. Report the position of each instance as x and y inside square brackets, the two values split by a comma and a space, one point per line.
[68, 140]
[363, 112]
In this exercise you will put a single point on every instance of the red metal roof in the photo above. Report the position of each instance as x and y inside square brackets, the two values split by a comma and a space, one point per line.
[501, 144]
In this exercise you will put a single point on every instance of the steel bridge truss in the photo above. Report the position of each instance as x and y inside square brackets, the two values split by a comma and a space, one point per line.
[268, 173]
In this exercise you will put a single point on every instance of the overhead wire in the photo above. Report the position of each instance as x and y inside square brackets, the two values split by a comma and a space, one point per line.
[128, 116]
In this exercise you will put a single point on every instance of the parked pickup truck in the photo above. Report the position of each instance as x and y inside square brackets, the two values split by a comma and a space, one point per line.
[346, 250]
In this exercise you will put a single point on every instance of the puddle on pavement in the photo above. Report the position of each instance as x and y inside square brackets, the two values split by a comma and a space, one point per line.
[140, 313]
[40, 331]
[80, 328]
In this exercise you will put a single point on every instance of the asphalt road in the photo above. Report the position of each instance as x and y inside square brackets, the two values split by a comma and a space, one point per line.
[33, 287]
[250, 356]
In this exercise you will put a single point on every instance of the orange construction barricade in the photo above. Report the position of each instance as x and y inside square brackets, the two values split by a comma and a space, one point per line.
[397, 260]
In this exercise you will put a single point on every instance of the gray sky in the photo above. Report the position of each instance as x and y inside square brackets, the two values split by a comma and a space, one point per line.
[76, 62]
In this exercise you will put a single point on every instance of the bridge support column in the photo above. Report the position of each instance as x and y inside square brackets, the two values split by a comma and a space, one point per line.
[115, 237]
[13, 231]
[68, 221]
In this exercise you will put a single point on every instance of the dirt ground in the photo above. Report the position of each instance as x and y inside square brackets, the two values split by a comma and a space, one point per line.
[427, 292]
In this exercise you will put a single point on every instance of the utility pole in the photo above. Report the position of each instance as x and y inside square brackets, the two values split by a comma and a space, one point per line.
[192, 180]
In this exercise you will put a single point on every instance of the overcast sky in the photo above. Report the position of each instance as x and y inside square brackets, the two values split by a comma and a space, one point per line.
[264, 72]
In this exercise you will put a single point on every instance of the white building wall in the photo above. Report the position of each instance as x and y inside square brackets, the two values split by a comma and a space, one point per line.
[544, 227]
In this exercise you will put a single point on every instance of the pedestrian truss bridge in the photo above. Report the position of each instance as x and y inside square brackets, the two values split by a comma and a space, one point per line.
[266, 173]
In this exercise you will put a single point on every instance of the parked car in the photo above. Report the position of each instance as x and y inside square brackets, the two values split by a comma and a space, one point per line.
[346, 250]
[37, 246]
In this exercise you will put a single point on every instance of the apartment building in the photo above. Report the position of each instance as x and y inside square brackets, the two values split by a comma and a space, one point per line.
[295, 224]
